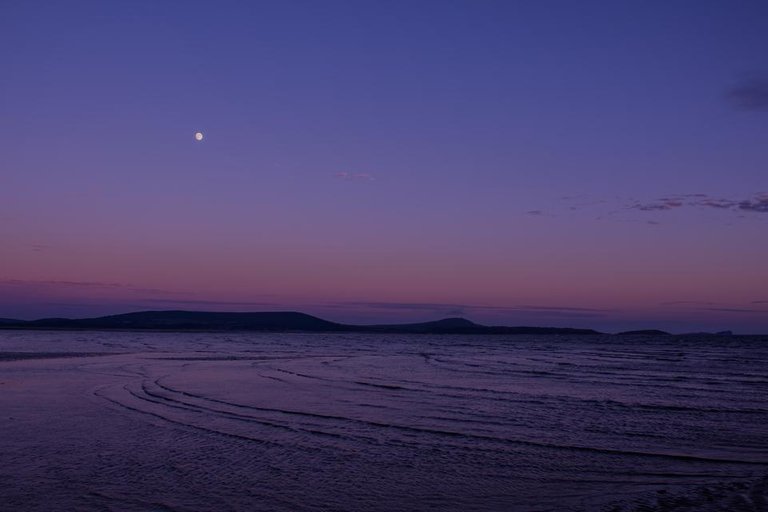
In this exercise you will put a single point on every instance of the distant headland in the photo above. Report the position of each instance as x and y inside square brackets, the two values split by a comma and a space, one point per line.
[282, 321]
[286, 321]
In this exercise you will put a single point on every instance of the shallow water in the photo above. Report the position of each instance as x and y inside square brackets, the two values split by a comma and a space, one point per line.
[317, 422]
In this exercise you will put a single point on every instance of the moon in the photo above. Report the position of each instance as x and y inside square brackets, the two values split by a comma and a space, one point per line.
[198, 136]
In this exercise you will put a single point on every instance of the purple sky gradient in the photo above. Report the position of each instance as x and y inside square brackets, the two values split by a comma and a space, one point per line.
[597, 163]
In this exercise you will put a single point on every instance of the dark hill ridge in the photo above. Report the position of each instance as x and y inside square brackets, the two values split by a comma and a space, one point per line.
[197, 320]
[645, 332]
[271, 321]
[447, 324]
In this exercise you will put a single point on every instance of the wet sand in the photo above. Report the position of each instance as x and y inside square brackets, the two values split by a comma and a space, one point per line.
[188, 422]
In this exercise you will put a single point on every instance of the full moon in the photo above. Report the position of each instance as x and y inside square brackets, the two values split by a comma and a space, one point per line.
[198, 136]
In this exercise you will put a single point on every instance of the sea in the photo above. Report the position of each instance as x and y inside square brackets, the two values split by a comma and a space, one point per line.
[157, 421]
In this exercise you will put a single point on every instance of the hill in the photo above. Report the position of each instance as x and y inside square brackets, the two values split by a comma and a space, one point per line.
[271, 321]
[195, 320]
[644, 332]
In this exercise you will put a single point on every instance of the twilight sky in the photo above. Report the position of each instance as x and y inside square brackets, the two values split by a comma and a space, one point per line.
[591, 164]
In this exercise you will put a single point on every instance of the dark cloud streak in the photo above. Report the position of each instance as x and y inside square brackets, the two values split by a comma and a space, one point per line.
[93, 285]
[465, 309]
[751, 94]
[757, 204]
[738, 310]
[688, 303]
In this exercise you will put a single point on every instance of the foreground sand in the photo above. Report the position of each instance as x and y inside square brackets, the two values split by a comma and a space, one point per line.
[733, 497]
[307, 423]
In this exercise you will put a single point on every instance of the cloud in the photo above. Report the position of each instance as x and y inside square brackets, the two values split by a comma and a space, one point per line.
[432, 308]
[93, 285]
[720, 307]
[743, 207]
[535, 212]
[213, 302]
[758, 203]
[88, 284]
[721, 204]
[751, 94]
[351, 176]
[688, 303]
[660, 205]
[467, 309]
[738, 310]
[559, 308]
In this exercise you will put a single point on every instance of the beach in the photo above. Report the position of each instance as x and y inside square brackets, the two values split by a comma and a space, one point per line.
[261, 421]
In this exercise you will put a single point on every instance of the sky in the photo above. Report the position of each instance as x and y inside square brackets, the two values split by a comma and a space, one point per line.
[535, 162]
